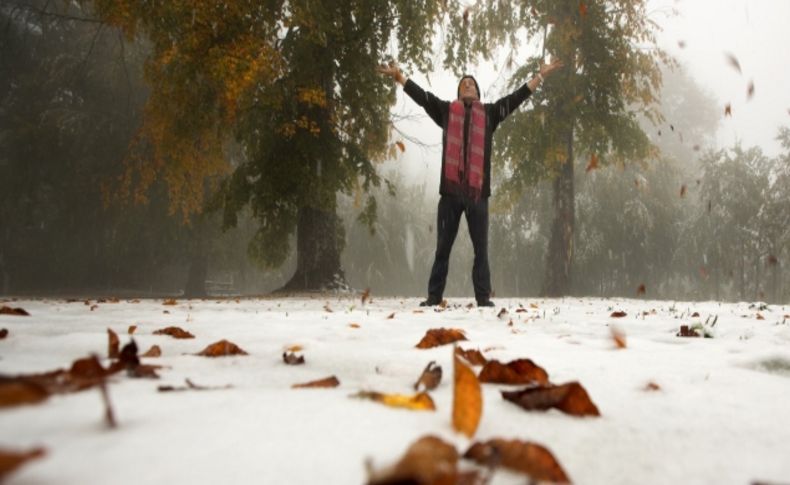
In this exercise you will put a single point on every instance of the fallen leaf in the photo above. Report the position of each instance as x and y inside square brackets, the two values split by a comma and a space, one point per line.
[618, 336]
[440, 336]
[618, 314]
[728, 110]
[652, 386]
[750, 90]
[473, 356]
[330, 381]
[760, 317]
[7, 310]
[502, 313]
[533, 305]
[531, 459]
[327, 308]
[113, 344]
[392, 315]
[695, 314]
[294, 348]
[221, 349]
[130, 361]
[132, 329]
[520, 371]
[353, 325]
[170, 302]
[429, 460]
[641, 290]
[11, 460]
[291, 358]
[18, 391]
[401, 146]
[3, 333]
[467, 399]
[593, 163]
[430, 378]
[418, 402]
[682, 44]
[154, 351]
[570, 398]
[685, 331]
[175, 332]
[733, 61]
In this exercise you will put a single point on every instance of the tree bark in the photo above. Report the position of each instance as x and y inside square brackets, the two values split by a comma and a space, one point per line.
[320, 238]
[557, 278]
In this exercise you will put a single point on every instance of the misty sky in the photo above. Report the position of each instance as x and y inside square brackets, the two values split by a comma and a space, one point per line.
[756, 32]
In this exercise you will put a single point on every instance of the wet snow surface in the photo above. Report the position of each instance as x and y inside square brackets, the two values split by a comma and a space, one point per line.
[722, 414]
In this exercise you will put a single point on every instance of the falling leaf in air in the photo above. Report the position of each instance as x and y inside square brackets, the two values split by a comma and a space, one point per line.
[430, 378]
[750, 90]
[175, 332]
[222, 349]
[659, 132]
[132, 329]
[365, 295]
[618, 336]
[291, 358]
[594, 162]
[473, 356]
[429, 460]
[772, 260]
[703, 272]
[417, 402]
[520, 371]
[154, 351]
[330, 381]
[728, 110]
[570, 398]
[11, 460]
[440, 336]
[7, 310]
[641, 290]
[618, 314]
[466, 15]
[113, 344]
[682, 44]
[733, 61]
[672, 127]
[682, 191]
[3, 333]
[531, 459]
[170, 302]
[582, 9]
[401, 146]
[467, 399]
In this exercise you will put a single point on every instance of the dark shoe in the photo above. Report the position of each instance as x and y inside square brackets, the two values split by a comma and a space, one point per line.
[431, 301]
[485, 302]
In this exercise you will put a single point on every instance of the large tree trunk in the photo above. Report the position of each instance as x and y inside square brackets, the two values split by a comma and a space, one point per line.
[319, 241]
[557, 278]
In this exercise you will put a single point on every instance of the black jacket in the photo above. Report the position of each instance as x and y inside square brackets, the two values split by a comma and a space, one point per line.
[439, 111]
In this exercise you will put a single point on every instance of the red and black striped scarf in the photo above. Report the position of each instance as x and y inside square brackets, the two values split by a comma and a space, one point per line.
[464, 174]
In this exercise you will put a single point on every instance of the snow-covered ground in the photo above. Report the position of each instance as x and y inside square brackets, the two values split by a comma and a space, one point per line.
[721, 415]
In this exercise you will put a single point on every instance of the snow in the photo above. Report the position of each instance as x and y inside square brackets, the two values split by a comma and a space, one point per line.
[722, 413]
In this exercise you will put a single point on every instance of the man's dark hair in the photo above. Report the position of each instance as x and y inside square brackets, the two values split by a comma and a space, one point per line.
[465, 76]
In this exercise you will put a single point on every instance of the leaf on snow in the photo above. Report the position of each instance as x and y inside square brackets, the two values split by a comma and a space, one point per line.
[19, 390]
[429, 460]
[430, 378]
[467, 399]
[154, 351]
[170, 302]
[473, 356]
[291, 358]
[440, 336]
[618, 314]
[11, 460]
[618, 336]
[728, 110]
[330, 381]
[531, 459]
[520, 371]
[19, 312]
[132, 329]
[175, 332]
[3, 333]
[221, 349]
[417, 402]
[570, 398]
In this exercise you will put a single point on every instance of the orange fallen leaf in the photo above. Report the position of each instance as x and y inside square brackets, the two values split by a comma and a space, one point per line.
[353, 325]
[221, 349]
[154, 351]
[593, 163]
[132, 329]
[728, 110]
[401, 146]
[760, 317]
[330, 381]
[18, 391]
[294, 348]
[19, 312]
[618, 314]
[11, 460]
[652, 386]
[473, 356]
[417, 402]
[430, 378]
[520, 371]
[618, 336]
[440, 336]
[531, 459]
[533, 306]
[113, 344]
[291, 358]
[429, 460]
[170, 302]
[175, 332]
[570, 398]
[467, 399]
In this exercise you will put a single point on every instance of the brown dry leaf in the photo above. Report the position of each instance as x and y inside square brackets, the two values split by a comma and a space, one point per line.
[760, 317]
[521, 456]
[618, 314]
[11, 460]
[391, 316]
[154, 351]
[291, 358]
[593, 163]
[733, 61]
[221, 349]
[401, 146]
[429, 460]
[520, 371]
[440, 336]
[473, 356]
[652, 386]
[19, 312]
[330, 381]
[175, 332]
[418, 402]
[430, 378]
[327, 308]
[467, 399]
[3, 333]
[113, 344]
[728, 110]
[772, 260]
[170, 302]
[685, 331]
[618, 335]
[365, 295]
[582, 9]
[294, 348]
[132, 329]
[570, 398]
[641, 290]
[353, 325]
[750, 90]
[18, 391]
[502, 313]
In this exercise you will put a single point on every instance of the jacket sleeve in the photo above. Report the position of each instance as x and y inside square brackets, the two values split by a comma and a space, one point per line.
[502, 108]
[436, 108]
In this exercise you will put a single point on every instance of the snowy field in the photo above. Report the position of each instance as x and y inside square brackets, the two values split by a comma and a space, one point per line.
[721, 413]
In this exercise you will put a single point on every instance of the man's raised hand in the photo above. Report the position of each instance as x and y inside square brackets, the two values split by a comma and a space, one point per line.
[392, 71]
[546, 69]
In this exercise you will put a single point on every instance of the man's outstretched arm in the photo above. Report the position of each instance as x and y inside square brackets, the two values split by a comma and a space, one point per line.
[433, 106]
[504, 106]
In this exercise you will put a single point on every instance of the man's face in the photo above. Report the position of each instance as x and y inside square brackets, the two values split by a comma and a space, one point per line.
[467, 90]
